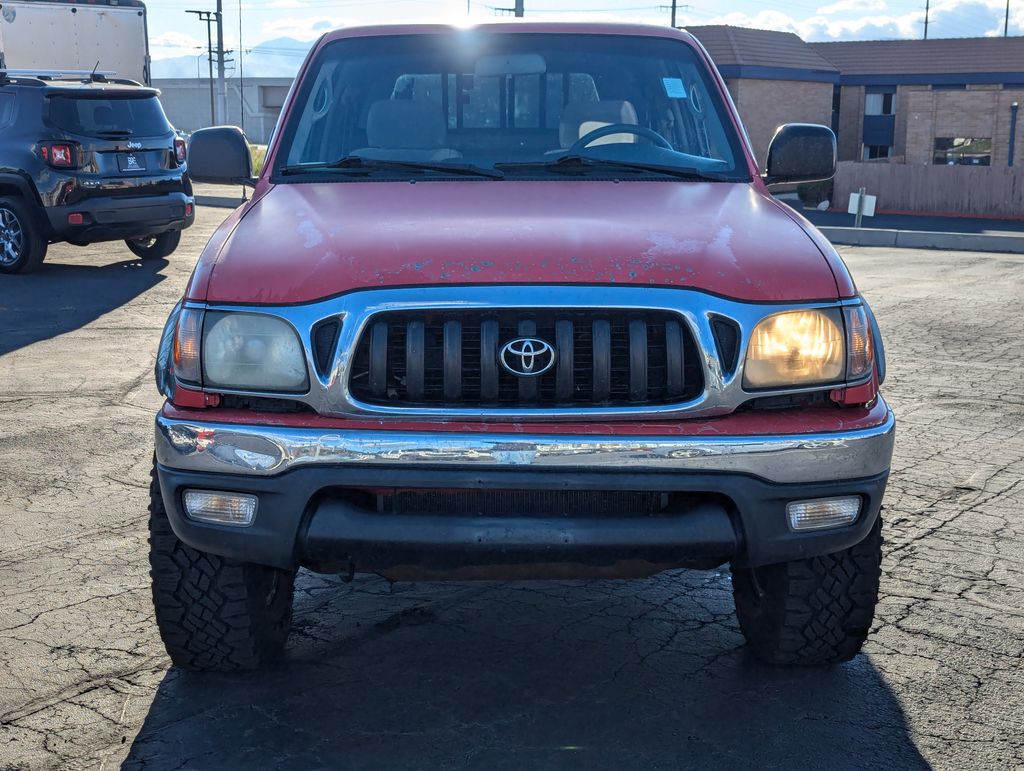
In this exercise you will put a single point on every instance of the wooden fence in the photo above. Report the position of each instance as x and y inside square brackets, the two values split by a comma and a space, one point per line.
[985, 191]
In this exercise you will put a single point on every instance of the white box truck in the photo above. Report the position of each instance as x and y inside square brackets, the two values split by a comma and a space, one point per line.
[105, 35]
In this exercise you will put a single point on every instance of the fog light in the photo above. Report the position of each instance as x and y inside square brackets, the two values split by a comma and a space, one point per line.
[822, 513]
[220, 508]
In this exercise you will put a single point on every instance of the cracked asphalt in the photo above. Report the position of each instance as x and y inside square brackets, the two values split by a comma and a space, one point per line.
[641, 674]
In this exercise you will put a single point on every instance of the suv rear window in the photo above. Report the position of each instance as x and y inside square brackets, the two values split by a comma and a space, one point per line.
[92, 117]
[6, 108]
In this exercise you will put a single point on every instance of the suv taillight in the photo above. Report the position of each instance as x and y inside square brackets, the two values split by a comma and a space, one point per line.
[179, 150]
[60, 155]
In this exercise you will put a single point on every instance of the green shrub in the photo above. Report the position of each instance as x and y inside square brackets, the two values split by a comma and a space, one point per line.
[259, 154]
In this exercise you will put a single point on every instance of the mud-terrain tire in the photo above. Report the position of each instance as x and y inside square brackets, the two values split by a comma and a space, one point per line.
[154, 247]
[214, 614]
[22, 243]
[811, 612]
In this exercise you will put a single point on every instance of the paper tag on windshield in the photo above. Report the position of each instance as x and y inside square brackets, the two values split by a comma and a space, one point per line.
[674, 88]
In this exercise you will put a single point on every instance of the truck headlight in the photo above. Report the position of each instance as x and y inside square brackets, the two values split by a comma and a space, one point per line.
[796, 348]
[252, 352]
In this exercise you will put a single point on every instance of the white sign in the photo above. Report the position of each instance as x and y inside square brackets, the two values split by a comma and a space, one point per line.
[869, 204]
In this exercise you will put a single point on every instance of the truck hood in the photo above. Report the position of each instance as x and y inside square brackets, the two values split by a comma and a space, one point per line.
[302, 242]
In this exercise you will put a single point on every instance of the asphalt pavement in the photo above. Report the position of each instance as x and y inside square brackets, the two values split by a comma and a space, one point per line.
[600, 674]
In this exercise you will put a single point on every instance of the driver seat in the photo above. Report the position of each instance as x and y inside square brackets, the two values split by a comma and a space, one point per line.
[580, 118]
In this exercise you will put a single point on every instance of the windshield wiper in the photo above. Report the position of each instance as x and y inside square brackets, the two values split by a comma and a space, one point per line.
[113, 133]
[575, 164]
[360, 165]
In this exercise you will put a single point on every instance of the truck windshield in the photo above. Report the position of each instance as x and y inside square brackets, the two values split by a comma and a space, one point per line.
[518, 103]
[94, 117]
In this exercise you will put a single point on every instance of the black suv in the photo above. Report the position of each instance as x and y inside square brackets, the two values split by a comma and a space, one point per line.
[84, 158]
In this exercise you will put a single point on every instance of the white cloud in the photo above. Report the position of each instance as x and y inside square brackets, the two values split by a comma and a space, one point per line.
[170, 44]
[308, 28]
[847, 6]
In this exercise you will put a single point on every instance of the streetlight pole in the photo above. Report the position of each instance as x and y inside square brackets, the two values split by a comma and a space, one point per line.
[208, 18]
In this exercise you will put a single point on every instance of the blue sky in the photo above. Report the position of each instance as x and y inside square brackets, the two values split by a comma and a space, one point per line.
[174, 33]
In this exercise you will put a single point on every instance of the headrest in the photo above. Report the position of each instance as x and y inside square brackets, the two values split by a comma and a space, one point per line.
[576, 115]
[405, 124]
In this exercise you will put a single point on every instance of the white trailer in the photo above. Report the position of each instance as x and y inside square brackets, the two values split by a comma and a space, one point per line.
[108, 35]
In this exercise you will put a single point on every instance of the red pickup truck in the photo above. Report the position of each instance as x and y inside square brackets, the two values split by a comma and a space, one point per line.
[514, 301]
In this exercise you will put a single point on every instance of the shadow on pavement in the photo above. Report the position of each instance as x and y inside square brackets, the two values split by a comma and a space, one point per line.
[647, 674]
[62, 297]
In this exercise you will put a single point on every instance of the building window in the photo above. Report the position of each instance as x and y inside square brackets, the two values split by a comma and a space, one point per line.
[272, 97]
[880, 104]
[874, 152]
[962, 151]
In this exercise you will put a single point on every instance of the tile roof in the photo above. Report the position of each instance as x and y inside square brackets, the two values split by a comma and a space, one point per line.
[925, 57]
[740, 46]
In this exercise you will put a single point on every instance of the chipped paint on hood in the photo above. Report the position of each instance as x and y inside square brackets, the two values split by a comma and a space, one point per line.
[302, 242]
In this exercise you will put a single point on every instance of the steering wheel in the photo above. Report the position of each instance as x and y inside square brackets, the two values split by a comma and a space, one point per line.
[619, 128]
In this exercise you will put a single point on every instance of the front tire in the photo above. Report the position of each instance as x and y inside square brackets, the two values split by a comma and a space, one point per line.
[811, 612]
[214, 614]
[154, 247]
[22, 245]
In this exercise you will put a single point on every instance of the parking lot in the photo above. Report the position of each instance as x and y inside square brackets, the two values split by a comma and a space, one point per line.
[602, 674]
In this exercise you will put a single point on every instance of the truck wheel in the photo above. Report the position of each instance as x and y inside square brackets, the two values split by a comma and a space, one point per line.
[155, 247]
[813, 611]
[22, 245]
[214, 614]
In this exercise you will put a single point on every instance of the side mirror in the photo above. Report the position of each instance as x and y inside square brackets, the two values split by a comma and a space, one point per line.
[220, 155]
[801, 152]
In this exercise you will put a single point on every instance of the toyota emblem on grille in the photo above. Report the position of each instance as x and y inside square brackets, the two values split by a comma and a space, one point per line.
[527, 356]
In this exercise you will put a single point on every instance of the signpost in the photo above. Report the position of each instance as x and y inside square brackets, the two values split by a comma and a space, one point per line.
[862, 205]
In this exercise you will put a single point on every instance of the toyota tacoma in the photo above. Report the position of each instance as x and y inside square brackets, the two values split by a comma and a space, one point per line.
[514, 301]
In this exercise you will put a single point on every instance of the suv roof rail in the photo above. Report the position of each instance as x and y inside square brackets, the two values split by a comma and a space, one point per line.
[80, 76]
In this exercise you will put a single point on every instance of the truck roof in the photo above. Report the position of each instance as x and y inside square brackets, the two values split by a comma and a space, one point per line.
[577, 28]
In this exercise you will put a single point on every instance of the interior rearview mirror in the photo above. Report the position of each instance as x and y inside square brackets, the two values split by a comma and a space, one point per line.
[801, 152]
[510, 64]
[220, 155]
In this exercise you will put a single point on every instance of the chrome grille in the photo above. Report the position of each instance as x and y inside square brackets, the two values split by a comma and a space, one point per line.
[604, 358]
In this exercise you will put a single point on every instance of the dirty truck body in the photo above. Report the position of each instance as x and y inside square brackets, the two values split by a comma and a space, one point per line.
[515, 302]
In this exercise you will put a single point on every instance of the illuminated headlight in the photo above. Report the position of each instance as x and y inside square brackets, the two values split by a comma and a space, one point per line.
[252, 352]
[796, 348]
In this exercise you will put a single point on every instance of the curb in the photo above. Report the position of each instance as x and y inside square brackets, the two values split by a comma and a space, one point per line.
[923, 239]
[220, 202]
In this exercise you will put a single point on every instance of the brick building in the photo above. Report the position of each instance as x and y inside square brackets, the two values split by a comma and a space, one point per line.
[941, 101]
[773, 77]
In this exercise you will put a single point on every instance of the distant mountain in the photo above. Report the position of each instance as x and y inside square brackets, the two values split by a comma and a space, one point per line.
[278, 58]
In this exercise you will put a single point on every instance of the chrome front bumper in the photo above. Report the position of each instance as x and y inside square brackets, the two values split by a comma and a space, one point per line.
[266, 451]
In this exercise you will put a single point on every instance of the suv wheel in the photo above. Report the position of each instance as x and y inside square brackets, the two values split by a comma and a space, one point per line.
[813, 611]
[214, 614]
[155, 247]
[22, 246]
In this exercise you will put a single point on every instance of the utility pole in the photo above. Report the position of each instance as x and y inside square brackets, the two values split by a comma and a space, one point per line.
[674, 8]
[241, 74]
[222, 91]
[520, 11]
[1006, 22]
[927, 8]
[208, 18]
